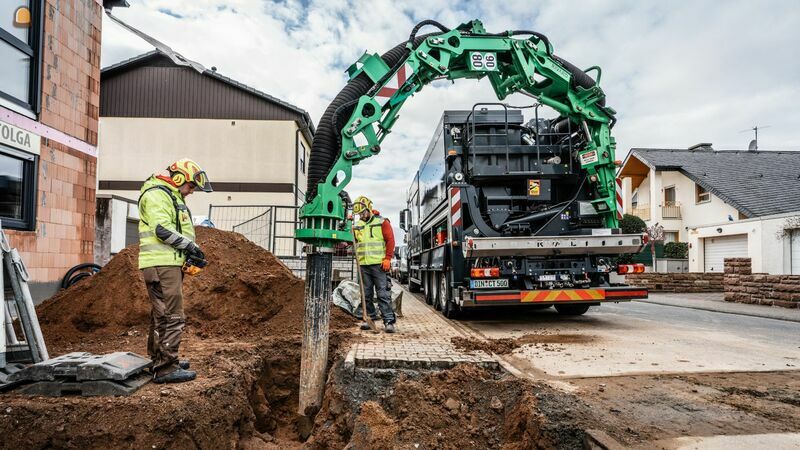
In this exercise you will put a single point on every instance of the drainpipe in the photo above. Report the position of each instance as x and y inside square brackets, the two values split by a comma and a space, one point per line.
[297, 174]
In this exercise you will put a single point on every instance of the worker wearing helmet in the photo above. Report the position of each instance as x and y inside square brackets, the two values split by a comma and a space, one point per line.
[166, 238]
[374, 248]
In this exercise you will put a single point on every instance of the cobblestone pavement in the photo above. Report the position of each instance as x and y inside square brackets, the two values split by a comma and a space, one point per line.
[422, 341]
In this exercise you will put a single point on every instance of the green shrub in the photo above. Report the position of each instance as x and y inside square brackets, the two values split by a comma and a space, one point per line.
[676, 250]
[631, 224]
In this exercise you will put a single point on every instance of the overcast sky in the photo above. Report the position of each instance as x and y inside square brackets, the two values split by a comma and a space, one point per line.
[678, 72]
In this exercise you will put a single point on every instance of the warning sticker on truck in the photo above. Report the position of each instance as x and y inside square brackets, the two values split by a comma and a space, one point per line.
[588, 157]
[534, 188]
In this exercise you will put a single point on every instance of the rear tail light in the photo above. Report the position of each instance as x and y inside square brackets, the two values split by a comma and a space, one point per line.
[622, 269]
[645, 238]
[487, 272]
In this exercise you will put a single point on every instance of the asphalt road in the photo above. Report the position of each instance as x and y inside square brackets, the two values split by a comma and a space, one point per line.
[641, 338]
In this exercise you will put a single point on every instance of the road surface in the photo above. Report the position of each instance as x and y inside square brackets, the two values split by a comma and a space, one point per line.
[658, 376]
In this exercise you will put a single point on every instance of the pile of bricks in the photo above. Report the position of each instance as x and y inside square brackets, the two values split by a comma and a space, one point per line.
[677, 282]
[744, 286]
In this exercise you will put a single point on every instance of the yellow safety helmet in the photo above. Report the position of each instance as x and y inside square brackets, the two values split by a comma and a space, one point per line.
[362, 203]
[185, 170]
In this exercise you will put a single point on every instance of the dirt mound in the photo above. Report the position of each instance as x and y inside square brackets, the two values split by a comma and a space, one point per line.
[507, 345]
[498, 346]
[239, 294]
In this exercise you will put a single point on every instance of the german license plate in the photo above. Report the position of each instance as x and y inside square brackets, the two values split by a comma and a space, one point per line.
[488, 284]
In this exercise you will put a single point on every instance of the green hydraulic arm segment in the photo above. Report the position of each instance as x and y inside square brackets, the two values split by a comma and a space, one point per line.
[525, 65]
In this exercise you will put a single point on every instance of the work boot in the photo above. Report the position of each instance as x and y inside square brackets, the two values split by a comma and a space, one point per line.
[388, 328]
[184, 364]
[364, 326]
[177, 376]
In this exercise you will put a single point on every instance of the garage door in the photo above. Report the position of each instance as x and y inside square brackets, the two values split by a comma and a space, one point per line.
[719, 248]
[796, 252]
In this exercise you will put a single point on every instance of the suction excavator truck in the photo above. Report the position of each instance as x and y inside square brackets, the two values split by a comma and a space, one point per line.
[362, 116]
[502, 212]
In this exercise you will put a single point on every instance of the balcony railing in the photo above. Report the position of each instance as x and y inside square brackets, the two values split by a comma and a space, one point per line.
[671, 211]
[642, 212]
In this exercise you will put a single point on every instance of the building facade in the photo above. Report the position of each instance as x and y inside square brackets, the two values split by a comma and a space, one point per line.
[49, 111]
[155, 109]
[724, 204]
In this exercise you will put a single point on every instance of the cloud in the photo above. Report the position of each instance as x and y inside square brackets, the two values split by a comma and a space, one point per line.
[678, 73]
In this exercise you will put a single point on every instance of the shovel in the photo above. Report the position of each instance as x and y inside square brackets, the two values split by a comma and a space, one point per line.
[364, 314]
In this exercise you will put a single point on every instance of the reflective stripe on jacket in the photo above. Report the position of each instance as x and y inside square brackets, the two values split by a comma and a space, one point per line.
[167, 213]
[370, 246]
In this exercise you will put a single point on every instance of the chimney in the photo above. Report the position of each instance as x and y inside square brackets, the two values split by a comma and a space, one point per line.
[702, 146]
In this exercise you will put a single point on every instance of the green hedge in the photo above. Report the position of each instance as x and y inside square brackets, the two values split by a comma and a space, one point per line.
[631, 224]
[676, 250]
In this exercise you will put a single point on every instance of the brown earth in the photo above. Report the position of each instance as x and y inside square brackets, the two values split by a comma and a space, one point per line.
[465, 407]
[244, 292]
[505, 346]
[244, 328]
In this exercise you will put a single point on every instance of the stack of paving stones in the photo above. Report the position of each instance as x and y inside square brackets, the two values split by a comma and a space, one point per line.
[422, 341]
[677, 282]
[744, 286]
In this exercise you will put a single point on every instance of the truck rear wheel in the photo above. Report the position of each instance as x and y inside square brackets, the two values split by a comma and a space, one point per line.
[572, 310]
[436, 279]
[449, 307]
[430, 295]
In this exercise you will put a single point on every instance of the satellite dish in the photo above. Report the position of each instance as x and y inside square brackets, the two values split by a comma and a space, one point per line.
[753, 146]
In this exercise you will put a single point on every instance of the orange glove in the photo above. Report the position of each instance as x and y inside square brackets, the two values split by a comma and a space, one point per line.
[386, 265]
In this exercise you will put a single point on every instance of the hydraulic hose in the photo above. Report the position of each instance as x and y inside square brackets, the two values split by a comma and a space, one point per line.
[326, 146]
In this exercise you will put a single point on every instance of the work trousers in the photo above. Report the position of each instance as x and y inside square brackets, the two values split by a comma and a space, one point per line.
[165, 287]
[376, 279]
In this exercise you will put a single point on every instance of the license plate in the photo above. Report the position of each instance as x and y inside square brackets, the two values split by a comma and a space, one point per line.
[488, 284]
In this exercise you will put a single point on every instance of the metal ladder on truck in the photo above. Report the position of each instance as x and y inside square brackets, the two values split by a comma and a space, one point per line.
[21, 339]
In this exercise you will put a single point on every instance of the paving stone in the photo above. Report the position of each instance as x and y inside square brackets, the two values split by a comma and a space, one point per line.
[422, 341]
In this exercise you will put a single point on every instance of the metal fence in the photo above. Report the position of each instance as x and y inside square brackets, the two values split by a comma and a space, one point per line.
[272, 227]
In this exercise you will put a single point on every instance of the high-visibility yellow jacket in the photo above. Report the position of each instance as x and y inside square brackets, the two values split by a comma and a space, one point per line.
[370, 245]
[165, 225]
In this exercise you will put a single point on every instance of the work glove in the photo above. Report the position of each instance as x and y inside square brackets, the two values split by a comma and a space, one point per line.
[194, 251]
[386, 265]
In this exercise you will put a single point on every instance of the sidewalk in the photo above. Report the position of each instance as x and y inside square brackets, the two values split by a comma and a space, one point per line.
[715, 302]
[422, 341]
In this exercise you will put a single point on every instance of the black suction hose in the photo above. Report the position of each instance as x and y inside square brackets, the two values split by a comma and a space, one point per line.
[326, 146]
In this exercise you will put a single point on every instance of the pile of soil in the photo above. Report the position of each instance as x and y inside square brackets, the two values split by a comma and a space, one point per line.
[507, 345]
[245, 291]
[465, 407]
[243, 337]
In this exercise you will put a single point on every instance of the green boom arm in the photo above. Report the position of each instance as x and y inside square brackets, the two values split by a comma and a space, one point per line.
[511, 65]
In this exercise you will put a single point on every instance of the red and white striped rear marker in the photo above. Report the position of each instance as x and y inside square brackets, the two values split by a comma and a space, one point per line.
[455, 206]
[620, 206]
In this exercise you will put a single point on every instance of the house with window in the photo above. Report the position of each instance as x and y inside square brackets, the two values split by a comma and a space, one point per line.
[723, 203]
[158, 107]
[49, 104]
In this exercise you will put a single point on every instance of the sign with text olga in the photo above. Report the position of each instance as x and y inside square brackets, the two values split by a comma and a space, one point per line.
[20, 139]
